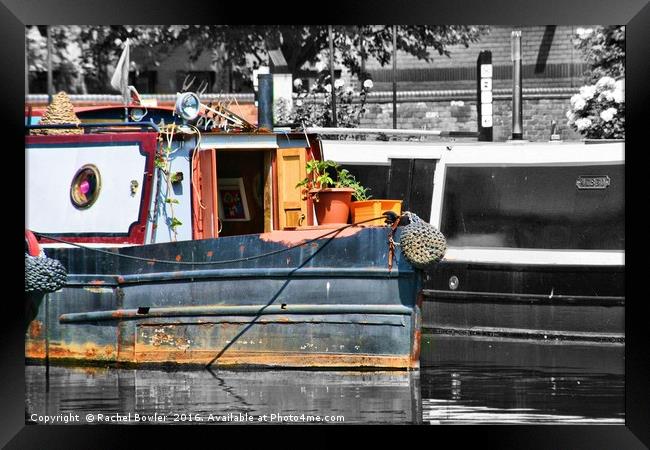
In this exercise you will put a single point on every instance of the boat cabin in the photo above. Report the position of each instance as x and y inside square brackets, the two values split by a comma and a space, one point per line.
[103, 187]
[526, 203]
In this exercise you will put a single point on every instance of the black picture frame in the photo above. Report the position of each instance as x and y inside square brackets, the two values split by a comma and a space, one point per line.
[635, 14]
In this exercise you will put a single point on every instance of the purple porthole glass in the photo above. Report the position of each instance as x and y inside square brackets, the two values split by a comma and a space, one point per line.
[85, 187]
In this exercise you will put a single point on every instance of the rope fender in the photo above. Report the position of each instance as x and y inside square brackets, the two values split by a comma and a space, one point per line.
[43, 274]
[422, 244]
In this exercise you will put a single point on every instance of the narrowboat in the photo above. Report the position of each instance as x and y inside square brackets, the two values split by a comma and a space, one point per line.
[535, 231]
[189, 244]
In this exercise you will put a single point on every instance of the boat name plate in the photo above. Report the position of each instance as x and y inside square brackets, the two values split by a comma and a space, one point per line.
[592, 182]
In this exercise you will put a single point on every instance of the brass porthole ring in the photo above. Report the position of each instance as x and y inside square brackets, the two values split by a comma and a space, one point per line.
[85, 187]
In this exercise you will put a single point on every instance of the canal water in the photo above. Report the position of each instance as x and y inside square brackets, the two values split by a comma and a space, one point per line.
[463, 380]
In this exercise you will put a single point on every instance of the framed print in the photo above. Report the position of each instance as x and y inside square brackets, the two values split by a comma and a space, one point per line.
[233, 206]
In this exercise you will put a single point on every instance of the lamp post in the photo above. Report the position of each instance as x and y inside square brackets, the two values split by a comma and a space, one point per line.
[331, 38]
[395, 76]
[50, 81]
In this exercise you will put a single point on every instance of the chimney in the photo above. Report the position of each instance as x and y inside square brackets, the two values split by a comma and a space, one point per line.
[265, 101]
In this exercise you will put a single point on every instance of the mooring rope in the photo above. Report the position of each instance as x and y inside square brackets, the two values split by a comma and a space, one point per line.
[201, 263]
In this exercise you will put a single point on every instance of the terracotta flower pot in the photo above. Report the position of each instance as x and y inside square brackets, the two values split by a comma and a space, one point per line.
[333, 205]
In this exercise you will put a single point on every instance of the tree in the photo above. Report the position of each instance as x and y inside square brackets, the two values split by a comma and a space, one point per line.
[85, 56]
[247, 47]
[603, 48]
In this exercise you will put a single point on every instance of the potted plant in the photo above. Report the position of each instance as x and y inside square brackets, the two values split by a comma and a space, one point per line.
[331, 189]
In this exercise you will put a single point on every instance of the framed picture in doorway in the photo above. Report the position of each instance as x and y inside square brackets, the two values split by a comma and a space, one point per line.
[232, 200]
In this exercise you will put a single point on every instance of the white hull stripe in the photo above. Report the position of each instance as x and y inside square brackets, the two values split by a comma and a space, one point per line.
[535, 257]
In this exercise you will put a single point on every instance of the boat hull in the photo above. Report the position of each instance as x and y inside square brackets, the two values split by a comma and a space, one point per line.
[535, 301]
[330, 303]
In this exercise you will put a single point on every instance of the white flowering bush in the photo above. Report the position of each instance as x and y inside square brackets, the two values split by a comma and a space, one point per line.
[313, 106]
[598, 111]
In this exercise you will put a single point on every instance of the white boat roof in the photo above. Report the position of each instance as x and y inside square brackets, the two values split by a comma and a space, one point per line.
[515, 152]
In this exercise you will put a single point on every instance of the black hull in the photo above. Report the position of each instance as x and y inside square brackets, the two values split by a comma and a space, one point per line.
[531, 302]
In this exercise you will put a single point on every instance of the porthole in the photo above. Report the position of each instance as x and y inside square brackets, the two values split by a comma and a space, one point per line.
[85, 187]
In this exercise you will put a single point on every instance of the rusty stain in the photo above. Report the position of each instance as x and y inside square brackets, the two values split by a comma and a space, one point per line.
[97, 282]
[120, 279]
[35, 329]
[117, 314]
[178, 257]
[151, 263]
[165, 336]
[149, 353]
[152, 354]
[62, 350]
[209, 254]
[415, 353]
[35, 349]
[242, 248]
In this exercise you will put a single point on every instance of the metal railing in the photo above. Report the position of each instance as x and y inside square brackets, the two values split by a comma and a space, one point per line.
[373, 97]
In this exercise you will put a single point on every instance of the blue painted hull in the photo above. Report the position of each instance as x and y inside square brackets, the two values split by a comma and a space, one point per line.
[328, 303]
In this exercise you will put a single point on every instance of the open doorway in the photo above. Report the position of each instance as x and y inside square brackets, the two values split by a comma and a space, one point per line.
[241, 191]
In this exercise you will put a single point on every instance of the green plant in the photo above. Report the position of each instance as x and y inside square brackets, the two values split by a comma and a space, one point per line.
[323, 174]
[346, 179]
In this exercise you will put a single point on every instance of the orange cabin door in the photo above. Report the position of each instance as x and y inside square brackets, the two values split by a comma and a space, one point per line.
[205, 211]
[291, 170]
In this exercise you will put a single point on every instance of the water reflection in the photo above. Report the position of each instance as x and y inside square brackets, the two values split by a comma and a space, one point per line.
[462, 381]
[359, 397]
[470, 380]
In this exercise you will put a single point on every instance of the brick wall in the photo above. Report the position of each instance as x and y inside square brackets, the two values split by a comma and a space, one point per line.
[548, 59]
[534, 39]
[442, 115]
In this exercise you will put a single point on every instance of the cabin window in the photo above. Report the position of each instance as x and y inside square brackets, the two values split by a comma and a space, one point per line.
[85, 187]
[534, 207]
[409, 180]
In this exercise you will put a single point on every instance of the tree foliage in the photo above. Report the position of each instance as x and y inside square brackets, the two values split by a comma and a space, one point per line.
[244, 47]
[603, 48]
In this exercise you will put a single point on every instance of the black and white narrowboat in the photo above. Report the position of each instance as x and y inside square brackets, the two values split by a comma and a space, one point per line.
[535, 231]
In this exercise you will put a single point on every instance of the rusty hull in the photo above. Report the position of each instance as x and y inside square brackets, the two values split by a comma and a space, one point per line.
[333, 304]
